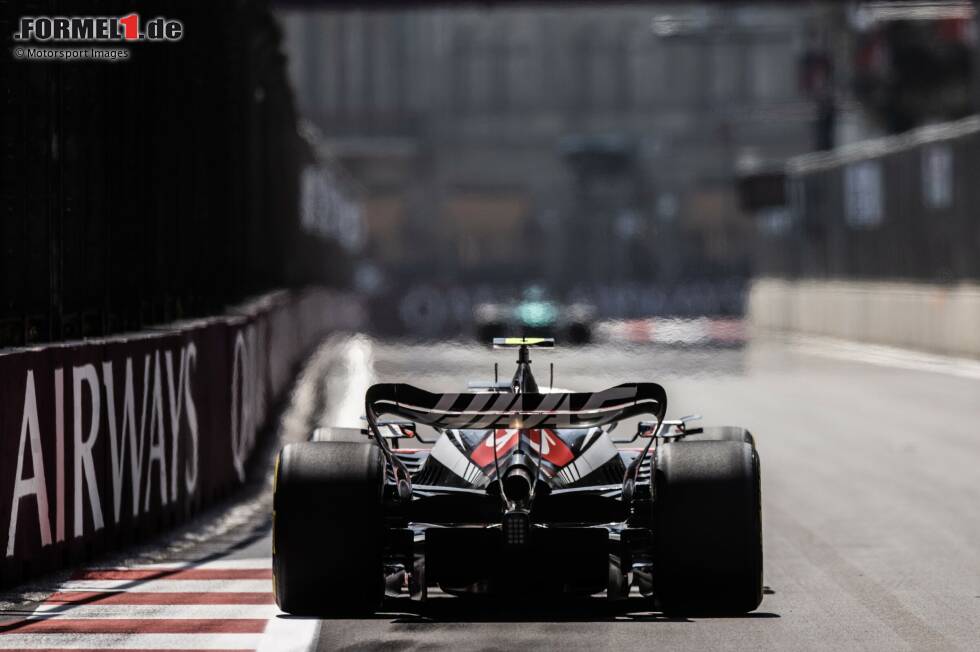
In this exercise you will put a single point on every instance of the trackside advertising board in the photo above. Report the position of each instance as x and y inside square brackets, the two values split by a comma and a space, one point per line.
[104, 440]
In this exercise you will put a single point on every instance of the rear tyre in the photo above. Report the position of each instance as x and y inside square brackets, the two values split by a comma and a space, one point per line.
[485, 332]
[723, 433]
[708, 528]
[327, 529]
[579, 334]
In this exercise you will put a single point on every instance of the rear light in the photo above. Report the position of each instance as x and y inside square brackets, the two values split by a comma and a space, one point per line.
[516, 526]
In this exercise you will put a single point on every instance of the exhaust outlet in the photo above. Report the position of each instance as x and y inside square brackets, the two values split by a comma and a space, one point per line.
[518, 482]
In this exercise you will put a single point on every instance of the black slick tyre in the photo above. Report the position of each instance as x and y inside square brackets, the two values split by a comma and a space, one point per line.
[328, 529]
[707, 528]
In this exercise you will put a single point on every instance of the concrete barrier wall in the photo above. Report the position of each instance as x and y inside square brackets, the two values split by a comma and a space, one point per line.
[106, 440]
[937, 318]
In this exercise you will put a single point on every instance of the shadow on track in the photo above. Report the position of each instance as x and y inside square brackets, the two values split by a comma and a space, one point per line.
[446, 610]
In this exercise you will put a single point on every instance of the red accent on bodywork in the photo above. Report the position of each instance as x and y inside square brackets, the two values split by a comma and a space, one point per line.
[556, 450]
[482, 455]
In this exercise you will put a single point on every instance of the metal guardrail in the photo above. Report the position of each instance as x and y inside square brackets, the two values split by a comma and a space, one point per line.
[901, 207]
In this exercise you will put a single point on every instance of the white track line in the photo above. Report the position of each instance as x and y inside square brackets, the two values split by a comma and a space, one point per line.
[170, 586]
[359, 367]
[129, 641]
[257, 563]
[887, 356]
[150, 611]
[285, 634]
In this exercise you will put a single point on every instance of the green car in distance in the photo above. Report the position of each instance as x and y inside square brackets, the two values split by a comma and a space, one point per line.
[535, 314]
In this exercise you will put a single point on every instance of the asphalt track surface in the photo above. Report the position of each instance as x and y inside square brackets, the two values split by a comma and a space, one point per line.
[871, 513]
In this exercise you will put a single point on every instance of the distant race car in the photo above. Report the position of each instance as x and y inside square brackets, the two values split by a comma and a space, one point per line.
[535, 315]
[524, 494]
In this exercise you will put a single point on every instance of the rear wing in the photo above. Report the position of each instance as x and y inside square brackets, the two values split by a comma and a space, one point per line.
[509, 410]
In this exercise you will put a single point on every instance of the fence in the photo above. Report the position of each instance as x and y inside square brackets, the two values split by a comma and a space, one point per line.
[157, 188]
[902, 207]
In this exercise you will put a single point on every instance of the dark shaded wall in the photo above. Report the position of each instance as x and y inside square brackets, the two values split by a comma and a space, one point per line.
[163, 187]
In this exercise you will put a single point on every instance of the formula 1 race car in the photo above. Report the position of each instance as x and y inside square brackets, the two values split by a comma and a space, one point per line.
[524, 493]
[534, 314]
